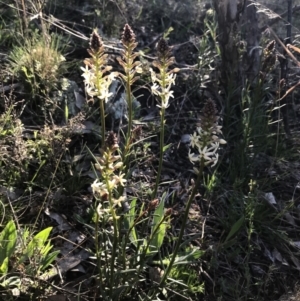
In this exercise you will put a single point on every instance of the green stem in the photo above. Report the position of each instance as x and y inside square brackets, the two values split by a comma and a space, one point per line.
[116, 234]
[98, 254]
[161, 150]
[99, 76]
[102, 121]
[185, 217]
[163, 75]
[129, 104]
[125, 155]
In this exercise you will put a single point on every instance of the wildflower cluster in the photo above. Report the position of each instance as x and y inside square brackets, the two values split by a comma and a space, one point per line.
[96, 82]
[131, 66]
[127, 61]
[104, 189]
[206, 138]
[163, 81]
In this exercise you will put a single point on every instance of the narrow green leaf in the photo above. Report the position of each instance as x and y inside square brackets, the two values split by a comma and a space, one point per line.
[48, 259]
[157, 216]
[166, 147]
[130, 216]
[8, 239]
[129, 222]
[235, 228]
[66, 112]
[37, 243]
[45, 250]
[188, 258]
[4, 266]
[158, 230]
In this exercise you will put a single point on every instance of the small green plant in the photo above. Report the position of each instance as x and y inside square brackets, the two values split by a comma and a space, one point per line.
[188, 278]
[21, 254]
[8, 238]
[13, 153]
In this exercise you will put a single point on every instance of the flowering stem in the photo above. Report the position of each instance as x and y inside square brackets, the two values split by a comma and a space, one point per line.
[185, 217]
[128, 64]
[95, 80]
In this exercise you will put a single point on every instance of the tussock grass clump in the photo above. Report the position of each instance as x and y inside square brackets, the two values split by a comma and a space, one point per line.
[38, 64]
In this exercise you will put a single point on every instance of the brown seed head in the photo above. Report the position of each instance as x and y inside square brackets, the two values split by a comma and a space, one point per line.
[270, 47]
[128, 35]
[269, 62]
[104, 197]
[137, 132]
[111, 141]
[152, 205]
[168, 212]
[163, 48]
[281, 83]
[95, 41]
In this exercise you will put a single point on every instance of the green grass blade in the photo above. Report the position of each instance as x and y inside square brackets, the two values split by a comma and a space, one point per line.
[235, 228]
[8, 238]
